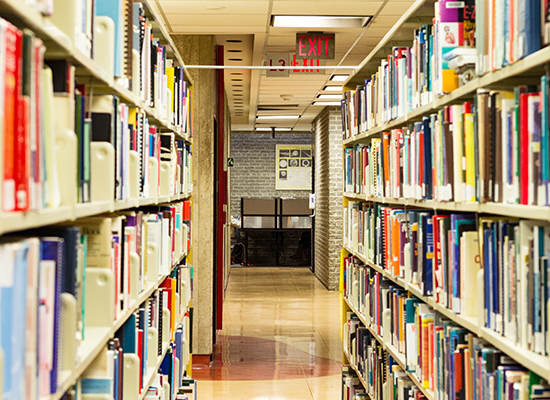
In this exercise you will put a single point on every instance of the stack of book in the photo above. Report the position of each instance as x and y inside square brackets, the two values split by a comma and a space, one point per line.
[441, 255]
[45, 104]
[495, 149]
[414, 76]
[425, 353]
[53, 274]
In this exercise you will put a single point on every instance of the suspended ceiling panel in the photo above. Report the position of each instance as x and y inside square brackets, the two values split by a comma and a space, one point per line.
[246, 26]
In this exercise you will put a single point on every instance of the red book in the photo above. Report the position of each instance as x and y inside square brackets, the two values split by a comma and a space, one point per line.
[37, 162]
[22, 123]
[12, 37]
[140, 355]
[395, 235]
[458, 373]
[386, 166]
[438, 261]
[524, 143]
[397, 158]
[167, 286]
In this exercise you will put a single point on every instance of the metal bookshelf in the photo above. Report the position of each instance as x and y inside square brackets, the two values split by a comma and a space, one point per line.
[524, 71]
[537, 363]
[97, 338]
[59, 46]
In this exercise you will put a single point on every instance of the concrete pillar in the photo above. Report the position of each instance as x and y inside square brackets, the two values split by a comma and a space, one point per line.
[200, 50]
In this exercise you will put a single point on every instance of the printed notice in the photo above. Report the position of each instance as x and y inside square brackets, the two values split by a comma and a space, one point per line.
[294, 167]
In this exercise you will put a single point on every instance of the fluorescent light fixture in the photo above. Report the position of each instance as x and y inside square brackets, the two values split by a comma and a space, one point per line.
[339, 78]
[319, 21]
[329, 97]
[326, 103]
[333, 89]
[276, 129]
[277, 116]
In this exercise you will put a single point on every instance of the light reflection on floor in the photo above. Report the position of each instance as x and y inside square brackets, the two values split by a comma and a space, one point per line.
[281, 339]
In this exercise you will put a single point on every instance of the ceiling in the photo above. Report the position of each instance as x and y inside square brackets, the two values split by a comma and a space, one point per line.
[244, 28]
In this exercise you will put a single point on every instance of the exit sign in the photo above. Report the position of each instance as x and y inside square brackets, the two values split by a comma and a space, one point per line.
[315, 45]
[307, 65]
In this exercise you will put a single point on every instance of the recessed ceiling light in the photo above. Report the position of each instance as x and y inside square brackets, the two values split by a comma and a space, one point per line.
[214, 8]
[329, 97]
[339, 78]
[333, 88]
[276, 129]
[326, 103]
[319, 21]
[277, 116]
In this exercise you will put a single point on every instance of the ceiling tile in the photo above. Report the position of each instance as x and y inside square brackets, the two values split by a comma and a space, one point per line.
[325, 7]
[230, 7]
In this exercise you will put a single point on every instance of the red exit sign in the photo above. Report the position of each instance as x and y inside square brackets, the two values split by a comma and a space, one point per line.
[307, 65]
[315, 45]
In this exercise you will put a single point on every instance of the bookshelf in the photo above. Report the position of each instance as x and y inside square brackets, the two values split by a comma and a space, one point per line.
[98, 337]
[59, 46]
[523, 70]
[364, 253]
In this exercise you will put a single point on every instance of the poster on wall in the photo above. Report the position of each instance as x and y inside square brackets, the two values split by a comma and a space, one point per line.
[294, 167]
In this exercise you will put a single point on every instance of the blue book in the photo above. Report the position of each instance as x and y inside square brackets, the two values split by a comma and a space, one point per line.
[456, 221]
[545, 140]
[487, 260]
[494, 275]
[113, 10]
[128, 335]
[428, 255]
[427, 190]
[69, 263]
[529, 33]
[52, 250]
[13, 317]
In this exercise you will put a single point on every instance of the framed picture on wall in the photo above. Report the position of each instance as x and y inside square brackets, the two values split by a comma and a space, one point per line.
[293, 166]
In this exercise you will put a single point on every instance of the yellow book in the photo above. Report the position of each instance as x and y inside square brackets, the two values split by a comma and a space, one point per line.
[170, 85]
[470, 155]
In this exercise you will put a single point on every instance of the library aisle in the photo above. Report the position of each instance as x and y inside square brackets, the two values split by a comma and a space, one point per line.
[281, 339]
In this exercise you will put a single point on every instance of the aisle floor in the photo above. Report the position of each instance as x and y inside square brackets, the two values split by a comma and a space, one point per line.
[280, 339]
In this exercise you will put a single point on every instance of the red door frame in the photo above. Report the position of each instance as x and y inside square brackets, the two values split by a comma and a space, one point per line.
[222, 191]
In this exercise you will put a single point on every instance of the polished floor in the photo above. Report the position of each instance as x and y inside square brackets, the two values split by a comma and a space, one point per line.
[280, 339]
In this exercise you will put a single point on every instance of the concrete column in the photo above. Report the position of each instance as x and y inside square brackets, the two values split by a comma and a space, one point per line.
[200, 50]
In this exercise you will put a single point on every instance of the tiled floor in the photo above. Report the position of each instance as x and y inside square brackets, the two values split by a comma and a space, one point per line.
[281, 339]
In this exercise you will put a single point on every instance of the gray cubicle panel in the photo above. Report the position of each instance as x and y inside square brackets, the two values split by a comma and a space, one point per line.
[295, 214]
[259, 213]
[295, 207]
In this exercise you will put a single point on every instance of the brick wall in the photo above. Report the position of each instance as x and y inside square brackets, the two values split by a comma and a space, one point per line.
[253, 175]
[328, 193]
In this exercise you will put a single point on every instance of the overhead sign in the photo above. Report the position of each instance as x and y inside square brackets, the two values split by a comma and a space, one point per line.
[307, 66]
[315, 45]
[277, 60]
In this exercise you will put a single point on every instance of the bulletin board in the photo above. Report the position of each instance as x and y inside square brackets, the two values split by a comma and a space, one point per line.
[294, 167]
